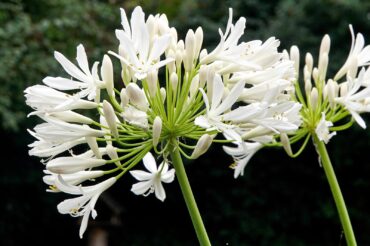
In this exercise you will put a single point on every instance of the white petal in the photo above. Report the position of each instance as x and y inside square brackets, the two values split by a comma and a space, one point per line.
[159, 191]
[150, 163]
[141, 187]
[60, 83]
[141, 175]
[231, 98]
[69, 67]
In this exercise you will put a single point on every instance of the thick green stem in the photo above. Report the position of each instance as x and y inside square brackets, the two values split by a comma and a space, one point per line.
[189, 198]
[337, 194]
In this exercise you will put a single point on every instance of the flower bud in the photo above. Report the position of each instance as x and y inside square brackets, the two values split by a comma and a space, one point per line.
[91, 141]
[294, 56]
[343, 87]
[315, 74]
[174, 81]
[110, 118]
[112, 153]
[198, 41]
[163, 94]
[323, 66]
[352, 68]
[202, 75]
[286, 144]
[309, 62]
[325, 45]
[152, 80]
[314, 98]
[202, 146]
[137, 97]
[194, 86]
[107, 75]
[189, 50]
[124, 98]
[203, 54]
[157, 129]
[71, 164]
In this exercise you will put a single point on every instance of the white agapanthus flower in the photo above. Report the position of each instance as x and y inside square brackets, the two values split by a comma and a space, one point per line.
[140, 52]
[84, 204]
[87, 81]
[152, 181]
[322, 129]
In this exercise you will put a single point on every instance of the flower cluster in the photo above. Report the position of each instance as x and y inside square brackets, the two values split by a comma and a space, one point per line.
[328, 101]
[171, 95]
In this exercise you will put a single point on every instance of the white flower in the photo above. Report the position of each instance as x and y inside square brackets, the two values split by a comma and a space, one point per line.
[140, 52]
[135, 117]
[241, 154]
[217, 106]
[152, 181]
[72, 179]
[228, 49]
[57, 131]
[87, 81]
[44, 148]
[72, 164]
[46, 99]
[358, 52]
[356, 101]
[322, 129]
[85, 203]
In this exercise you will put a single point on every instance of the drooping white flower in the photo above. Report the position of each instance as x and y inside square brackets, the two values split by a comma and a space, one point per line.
[152, 181]
[355, 100]
[87, 81]
[45, 99]
[57, 131]
[322, 129]
[72, 179]
[140, 52]
[50, 148]
[241, 154]
[84, 204]
[72, 164]
[358, 52]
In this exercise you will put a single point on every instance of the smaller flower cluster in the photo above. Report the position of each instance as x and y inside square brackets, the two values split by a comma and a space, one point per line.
[328, 101]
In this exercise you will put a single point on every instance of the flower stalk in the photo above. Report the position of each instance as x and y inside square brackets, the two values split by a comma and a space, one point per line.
[335, 189]
[189, 197]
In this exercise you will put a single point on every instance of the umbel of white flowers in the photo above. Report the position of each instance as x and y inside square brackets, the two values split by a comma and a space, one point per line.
[329, 101]
[171, 94]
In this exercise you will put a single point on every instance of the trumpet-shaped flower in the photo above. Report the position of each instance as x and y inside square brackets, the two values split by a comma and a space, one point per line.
[87, 81]
[152, 181]
[140, 52]
[84, 205]
[322, 129]
[356, 101]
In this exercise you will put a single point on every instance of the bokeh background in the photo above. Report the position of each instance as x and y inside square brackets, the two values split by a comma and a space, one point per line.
[279, 201]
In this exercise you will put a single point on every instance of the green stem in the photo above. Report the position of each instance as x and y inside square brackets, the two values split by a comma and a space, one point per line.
[189, 197]
[335, 189]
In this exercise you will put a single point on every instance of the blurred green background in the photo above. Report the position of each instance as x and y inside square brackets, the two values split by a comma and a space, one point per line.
[279, 201]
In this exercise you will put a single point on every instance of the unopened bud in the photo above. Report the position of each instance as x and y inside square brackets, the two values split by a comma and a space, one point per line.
[163, 94]
[309, 62]
[91, 141]
[198, 41]
[202, 75]
[286, 143]
[112, 153]
[325, 45]
[307, 86]
[352, 68]
[157, 129]
[107, 75]
[110, 118]
[203, 54]
[124, 98]
[323, 66]
[174, 81]
[294, 56]
[343, 87]
[314, 98]
[152, 80]
[194, 86]
[202, 146]
[315, 74]
[137, 97]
